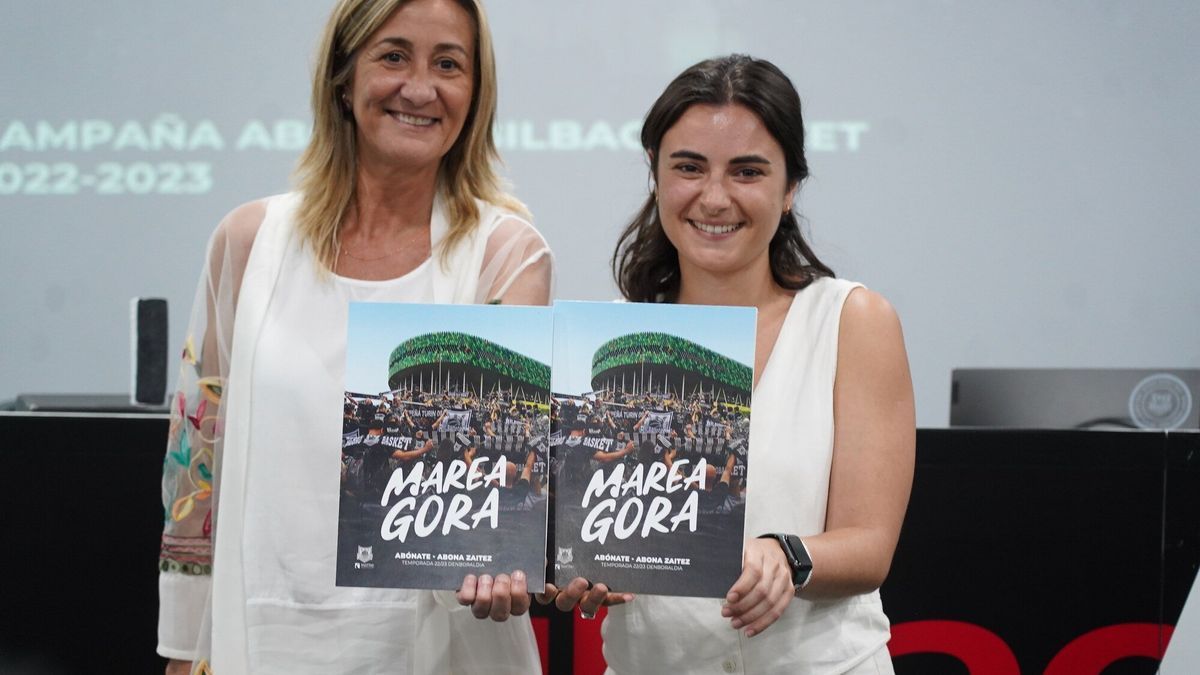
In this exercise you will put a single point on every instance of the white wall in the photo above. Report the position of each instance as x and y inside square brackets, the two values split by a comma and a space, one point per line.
[1015, 177]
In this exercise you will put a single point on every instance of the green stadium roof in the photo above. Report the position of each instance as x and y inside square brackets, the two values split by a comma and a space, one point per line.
[463, 353]
[670, 355]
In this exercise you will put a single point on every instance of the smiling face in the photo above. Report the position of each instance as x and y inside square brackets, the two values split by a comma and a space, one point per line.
[722, 187]
[412, 85]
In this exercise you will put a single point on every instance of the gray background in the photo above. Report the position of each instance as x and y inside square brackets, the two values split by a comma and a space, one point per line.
[1023, 192]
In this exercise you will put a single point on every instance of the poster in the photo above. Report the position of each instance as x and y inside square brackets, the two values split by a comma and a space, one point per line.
[649, 439]
[444, 449]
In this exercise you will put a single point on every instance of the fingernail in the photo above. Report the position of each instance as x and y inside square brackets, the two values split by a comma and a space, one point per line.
[485, 579]
[518, 576]
[750, 633]
[737, 623]
[469, 579]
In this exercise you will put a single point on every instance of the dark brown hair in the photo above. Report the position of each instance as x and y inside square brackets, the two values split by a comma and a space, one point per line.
[645, 263]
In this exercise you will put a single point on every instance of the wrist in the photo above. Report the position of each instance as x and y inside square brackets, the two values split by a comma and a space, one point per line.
[798, 559]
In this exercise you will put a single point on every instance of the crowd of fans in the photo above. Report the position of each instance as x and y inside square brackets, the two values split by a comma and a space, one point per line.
[399, 429]
[593, 431]
[382, 433]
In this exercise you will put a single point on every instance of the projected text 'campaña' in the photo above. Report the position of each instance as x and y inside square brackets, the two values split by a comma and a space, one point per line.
[168, 155]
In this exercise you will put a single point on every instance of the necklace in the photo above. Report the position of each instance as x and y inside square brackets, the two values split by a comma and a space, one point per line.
[343, 249]
[346, 252]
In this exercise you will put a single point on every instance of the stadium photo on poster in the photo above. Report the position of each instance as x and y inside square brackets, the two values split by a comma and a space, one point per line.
[444, 453]
[650, 429]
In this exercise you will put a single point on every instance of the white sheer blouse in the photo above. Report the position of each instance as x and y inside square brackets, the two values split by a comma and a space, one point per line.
[260, 395]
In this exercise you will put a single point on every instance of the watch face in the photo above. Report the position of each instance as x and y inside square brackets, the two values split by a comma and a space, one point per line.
[800, 561]
[799, 554]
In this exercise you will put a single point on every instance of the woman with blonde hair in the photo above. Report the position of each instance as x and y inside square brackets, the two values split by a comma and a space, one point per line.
[396, 200]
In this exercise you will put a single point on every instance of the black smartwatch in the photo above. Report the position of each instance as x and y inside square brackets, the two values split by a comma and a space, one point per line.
[797, 557]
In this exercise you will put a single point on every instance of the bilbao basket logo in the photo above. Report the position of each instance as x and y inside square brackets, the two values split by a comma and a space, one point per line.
[365, 556]
[1160, 401]
[565, 556]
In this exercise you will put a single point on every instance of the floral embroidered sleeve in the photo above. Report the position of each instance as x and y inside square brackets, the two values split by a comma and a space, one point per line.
[188, 470]
[190, 485]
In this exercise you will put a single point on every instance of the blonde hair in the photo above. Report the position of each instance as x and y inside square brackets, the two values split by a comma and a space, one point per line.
[325, 174]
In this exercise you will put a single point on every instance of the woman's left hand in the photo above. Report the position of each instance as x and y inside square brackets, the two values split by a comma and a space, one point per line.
[496, 598]
[589, 597]
[757, 599]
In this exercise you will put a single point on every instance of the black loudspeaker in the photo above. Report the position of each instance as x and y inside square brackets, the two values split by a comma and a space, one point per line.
[148, 331]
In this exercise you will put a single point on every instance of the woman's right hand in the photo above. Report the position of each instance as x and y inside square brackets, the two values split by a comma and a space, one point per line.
[497, 598]
[177, 667]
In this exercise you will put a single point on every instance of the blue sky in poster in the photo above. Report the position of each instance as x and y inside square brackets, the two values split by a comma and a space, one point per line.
[581, 327]
[376, 328]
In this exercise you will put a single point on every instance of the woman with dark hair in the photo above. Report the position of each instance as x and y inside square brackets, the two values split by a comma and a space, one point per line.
[397, 200]
[830, 467]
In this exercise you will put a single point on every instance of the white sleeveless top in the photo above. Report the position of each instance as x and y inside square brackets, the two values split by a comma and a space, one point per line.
[296, 618]
[276, 606]
[791, 452]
